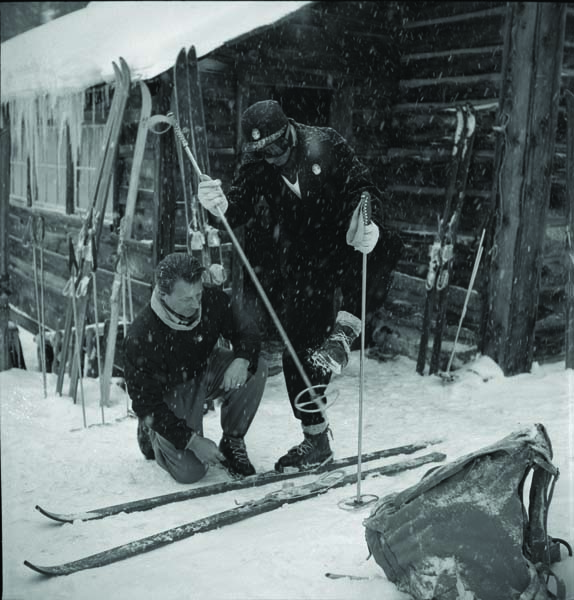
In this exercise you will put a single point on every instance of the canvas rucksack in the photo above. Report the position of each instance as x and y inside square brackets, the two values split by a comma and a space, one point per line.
[464, 532]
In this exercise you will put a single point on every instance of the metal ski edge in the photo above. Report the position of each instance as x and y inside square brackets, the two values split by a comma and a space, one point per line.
[258, 480]
[218, 520]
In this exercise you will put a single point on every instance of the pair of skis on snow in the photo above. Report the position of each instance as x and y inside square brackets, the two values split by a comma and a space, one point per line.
[442, 250]
[333, 477]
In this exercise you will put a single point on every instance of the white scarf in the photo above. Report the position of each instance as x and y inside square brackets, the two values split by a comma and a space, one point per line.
[169, 317]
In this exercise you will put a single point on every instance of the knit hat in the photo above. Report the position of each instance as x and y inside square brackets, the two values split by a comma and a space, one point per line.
[263, 123]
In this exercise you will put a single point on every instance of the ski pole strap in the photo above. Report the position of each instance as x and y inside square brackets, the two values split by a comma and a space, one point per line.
[177, 130]
[39, 231]
[184, 143]
[94, 253]
[155, 119]
[28, 232]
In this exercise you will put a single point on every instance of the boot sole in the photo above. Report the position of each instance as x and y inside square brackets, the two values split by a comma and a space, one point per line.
[308, 467]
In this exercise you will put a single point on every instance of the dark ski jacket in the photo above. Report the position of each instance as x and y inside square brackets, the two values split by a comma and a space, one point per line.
[158, 358]
[308, 232]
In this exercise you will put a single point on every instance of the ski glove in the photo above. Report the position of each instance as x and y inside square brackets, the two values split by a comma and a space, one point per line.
[362, 237]
[211, 196]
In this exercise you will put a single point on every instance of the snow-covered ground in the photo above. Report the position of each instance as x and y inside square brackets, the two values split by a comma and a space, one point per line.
[49, 458]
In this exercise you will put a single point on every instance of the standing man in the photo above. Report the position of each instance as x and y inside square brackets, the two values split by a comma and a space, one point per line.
[173, 364]
[302, 186]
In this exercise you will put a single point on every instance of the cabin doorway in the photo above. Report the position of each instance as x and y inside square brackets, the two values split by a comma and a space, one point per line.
[308, 106]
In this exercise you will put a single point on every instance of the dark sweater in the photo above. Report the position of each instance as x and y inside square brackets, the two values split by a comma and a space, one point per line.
[158, 358]
[309, 232]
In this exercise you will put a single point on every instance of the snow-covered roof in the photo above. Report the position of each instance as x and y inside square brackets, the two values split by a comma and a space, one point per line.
[76, 51]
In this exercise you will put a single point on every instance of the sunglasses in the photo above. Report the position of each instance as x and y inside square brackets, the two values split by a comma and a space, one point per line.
[274, 149]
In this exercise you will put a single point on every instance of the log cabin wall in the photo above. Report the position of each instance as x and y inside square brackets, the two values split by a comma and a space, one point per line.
[329, 64]
[59, 227]
[382, 75]
[552, 306]
[452, 53]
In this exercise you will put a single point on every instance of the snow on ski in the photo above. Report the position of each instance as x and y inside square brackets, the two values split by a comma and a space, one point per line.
[252, 508]
[226, 486]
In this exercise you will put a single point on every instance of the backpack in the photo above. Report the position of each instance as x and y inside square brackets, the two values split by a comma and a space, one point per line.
[464, 533]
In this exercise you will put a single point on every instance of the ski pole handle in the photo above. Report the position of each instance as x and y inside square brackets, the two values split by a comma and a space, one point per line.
[366, 207]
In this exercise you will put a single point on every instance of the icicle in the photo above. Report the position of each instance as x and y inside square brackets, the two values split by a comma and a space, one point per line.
[32, 120]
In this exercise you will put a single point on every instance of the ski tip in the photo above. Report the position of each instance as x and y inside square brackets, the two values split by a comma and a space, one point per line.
[53, 516]
[434, 441]
[38, 569]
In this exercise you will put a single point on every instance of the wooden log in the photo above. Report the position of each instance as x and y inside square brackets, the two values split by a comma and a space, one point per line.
[410, 292]
[533, 70]
[465, 15]
[433, 175]
[478, 104]
[5, 285]
[451, 89]
[420, 206]
[569, 308]
[451, 63]
[25, 299]
[467, 32]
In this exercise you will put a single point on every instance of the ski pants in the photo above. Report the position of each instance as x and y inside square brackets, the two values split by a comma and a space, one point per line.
[186, 401]
[307, 305]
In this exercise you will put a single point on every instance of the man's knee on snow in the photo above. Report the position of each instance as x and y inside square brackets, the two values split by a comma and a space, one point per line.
[189, 471]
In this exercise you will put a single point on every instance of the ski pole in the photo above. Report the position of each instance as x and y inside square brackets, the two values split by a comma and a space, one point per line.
[361, 500]
[31, 234]
[467, 298]
[247, 264]
[94, 261]
[365, 214]
[39, 234]
[78, 350]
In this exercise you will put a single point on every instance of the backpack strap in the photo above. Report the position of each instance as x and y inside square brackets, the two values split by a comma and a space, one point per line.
[545, 570]
[536, 539]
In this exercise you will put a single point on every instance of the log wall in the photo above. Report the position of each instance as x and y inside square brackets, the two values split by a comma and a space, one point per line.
[452, 53]
[383, 77]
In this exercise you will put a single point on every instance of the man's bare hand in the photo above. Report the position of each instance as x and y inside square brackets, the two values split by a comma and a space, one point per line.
[236, 374]
[206, 450]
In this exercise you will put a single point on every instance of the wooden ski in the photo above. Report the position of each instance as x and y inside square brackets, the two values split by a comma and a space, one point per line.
[125, 234]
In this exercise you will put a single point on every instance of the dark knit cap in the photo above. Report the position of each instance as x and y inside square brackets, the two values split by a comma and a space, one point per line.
[262, 123]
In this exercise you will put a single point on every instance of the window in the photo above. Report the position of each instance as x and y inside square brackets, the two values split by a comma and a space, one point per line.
[51, 170]
[86, 170]
[54, 139]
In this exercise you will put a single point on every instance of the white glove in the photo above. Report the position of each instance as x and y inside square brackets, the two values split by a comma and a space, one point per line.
[211, 196]
[362, 237]
[218, 274]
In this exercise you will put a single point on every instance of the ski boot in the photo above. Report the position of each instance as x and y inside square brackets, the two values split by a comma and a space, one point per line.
[314, 451]
[333, 354]
[144, 441]
[236, 460]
